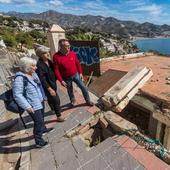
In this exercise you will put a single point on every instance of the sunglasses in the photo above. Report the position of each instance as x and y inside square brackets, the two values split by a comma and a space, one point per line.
[66, 46]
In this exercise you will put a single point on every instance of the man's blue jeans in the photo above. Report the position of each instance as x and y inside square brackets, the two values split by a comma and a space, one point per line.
[76, 78]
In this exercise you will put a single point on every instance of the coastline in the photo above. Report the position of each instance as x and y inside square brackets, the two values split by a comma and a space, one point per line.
[148, 38]
[157, 44]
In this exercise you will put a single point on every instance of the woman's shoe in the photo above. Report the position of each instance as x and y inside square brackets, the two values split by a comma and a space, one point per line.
[90, 103]
[73, 103]
[41, 144]
[60, 119]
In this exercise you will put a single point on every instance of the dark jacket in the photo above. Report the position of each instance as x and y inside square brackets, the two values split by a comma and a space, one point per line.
[46, 75]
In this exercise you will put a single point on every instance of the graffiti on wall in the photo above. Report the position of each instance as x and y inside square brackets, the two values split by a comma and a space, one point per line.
[87, 55]
[86, 51]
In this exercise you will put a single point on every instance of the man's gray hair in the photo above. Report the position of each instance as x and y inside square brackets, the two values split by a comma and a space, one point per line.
[26, 63]
[61, 42]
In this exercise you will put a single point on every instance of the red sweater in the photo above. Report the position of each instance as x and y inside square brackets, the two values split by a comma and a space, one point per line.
[66, 66]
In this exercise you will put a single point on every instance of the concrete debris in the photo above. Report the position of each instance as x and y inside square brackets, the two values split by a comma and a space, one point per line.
[118, 123]
[119, 95]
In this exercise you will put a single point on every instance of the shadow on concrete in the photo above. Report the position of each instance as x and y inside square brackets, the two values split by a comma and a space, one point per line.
[28, 121]
[16, 149]
[6, 148]
[69, 106]
[51, 121]
[8, 141]
[10, 123]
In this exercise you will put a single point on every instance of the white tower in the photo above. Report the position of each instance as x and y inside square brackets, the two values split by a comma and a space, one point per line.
[53, 36]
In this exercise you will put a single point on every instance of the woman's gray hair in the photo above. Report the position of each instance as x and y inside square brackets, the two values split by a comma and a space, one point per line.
[26, 63]
[41, 50]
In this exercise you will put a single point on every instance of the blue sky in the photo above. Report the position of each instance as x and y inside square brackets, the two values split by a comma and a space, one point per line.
[154, 11]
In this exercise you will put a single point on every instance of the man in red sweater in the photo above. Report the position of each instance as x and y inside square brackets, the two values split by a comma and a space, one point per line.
[68, 70]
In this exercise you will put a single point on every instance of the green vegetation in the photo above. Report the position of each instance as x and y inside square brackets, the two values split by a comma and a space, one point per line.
[81, 34]
[1, 19]
[25, 39]
[7, 36]
[105, 53]
[83, 37]
[12, 37]
[10, 32]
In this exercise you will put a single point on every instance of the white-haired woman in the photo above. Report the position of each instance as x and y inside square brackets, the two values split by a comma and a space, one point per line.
[31, 97]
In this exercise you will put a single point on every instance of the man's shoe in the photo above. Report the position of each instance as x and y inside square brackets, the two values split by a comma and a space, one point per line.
[90, 103]
[60, 119]
[41, 144]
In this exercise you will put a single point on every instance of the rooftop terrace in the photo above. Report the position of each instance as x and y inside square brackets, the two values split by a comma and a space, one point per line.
[157, 86]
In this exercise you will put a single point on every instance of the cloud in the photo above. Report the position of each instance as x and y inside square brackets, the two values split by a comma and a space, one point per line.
[98, 7]
[94, 6]
[133, 2]
[24, 1]
[56, 3]
[18, 1]
[152, 9]
[5, 1]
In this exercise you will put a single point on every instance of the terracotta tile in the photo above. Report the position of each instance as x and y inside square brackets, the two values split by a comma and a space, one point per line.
[84, 129]
[93, 109]
[66, 113]
[146, 158]
[52, 121]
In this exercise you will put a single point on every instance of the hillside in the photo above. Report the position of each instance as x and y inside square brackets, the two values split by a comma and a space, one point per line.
[99, 24]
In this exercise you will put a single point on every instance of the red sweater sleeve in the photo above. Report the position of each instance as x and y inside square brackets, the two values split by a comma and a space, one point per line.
[78, 65]
[56, 70]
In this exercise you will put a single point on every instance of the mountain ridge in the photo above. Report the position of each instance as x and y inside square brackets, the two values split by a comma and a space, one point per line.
[98, 24]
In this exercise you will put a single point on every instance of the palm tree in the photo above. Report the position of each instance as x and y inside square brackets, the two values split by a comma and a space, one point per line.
[83, 37]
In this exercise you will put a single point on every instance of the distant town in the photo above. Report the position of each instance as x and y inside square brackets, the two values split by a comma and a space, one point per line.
[18, 32]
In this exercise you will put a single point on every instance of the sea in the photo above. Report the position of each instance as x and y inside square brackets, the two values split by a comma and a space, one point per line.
[161, 45]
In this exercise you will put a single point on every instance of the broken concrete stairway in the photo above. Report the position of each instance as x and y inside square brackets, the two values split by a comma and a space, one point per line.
[119, 95]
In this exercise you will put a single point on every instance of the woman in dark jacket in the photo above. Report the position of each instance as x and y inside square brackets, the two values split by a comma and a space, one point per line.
[46, 74]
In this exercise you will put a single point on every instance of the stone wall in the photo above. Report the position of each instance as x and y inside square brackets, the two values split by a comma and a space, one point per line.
[7, 61]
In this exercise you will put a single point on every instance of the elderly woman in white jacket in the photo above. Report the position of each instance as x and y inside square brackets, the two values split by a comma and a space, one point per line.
[31, 98]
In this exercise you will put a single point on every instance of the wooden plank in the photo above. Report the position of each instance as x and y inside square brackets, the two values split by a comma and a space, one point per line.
[103, 83]
[130, 95]
[125, 84]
